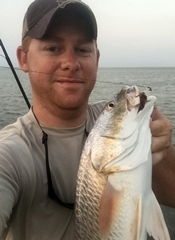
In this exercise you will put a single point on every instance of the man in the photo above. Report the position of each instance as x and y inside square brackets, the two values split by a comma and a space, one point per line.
[40, 153]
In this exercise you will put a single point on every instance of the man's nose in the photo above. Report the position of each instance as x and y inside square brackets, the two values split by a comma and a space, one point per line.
[70, 61]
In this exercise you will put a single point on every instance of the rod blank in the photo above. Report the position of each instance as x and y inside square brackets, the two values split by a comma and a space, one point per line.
[14, 73]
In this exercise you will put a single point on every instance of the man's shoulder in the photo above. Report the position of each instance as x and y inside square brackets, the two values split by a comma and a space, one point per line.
[17, 130]
[15, 141]
[94, 110]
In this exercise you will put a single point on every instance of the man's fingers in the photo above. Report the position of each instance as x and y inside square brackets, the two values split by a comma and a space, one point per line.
[158, 156]
[159, 143]
[160, 125]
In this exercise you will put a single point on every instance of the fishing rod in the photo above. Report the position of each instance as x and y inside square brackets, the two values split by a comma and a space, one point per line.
[14, 73]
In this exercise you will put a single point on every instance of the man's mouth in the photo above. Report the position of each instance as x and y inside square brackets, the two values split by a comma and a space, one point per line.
[69, 80]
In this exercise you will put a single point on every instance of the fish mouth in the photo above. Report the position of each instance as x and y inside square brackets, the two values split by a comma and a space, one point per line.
[135, 98]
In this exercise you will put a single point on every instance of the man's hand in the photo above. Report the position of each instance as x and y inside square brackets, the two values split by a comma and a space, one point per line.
[161, 130]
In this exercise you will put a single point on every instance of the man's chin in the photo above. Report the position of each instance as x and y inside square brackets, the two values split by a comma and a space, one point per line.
[73, 105]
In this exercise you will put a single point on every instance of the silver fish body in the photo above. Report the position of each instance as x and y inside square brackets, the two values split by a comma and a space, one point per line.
[114, 199]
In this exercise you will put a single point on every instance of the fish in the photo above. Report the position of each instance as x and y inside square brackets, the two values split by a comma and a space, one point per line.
[114, 197]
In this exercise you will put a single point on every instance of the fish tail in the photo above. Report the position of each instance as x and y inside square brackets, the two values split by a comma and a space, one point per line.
[156, 226]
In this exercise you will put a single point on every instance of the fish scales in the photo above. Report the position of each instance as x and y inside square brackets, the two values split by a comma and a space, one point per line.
[114, 199]
[90, 228]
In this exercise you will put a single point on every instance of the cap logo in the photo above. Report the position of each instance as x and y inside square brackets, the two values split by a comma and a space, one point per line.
[65, 2]
[60, 1]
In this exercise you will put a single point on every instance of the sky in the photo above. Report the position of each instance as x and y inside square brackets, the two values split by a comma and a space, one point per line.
[131, 33]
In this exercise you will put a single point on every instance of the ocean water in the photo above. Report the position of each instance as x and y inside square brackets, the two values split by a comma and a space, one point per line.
[109, 81]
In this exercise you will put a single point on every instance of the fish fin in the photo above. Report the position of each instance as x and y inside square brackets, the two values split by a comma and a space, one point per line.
[137, 219]
[156, 226]
[110, 203]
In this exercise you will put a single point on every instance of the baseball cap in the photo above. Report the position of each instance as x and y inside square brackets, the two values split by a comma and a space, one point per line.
[40, 13]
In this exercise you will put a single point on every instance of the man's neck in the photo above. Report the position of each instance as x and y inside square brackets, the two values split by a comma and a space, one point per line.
[61, 118]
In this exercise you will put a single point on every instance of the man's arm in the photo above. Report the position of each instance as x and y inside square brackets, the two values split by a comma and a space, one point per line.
[163, 159]
[9, 182]
[164, 179]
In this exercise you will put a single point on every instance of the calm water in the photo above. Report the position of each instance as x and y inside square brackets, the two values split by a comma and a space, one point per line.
[110, 80]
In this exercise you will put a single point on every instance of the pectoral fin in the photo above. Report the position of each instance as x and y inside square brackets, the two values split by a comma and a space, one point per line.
[109, 205]
[135, 234]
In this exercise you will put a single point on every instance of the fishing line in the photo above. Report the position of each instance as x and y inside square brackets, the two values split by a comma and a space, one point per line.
[60, 76]
[22, 90]
[14, 73]
[2, 56]
[149, 89]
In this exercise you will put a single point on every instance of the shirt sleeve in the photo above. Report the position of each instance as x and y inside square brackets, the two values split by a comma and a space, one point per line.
[94, 111]
[9, 183]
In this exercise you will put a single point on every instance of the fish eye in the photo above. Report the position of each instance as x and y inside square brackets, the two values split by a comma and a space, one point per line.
[110, 105]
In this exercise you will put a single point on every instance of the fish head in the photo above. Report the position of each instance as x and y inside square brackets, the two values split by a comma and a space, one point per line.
[119, 126]
[120, 114]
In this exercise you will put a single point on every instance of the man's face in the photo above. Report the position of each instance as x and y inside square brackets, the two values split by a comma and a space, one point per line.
[63, 66]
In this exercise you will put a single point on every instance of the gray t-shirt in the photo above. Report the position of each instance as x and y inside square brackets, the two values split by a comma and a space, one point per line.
[26, 211]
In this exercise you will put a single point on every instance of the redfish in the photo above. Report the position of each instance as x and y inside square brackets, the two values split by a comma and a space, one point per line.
[114, 197]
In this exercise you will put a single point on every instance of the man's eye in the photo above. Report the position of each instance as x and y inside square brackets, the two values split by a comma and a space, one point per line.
[82, 50]
[52, 49]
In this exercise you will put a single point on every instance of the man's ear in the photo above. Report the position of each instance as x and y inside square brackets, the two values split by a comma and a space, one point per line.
[22, 59]
[98, 56]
